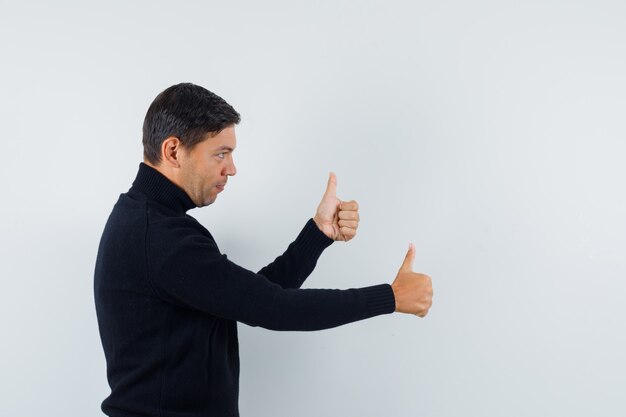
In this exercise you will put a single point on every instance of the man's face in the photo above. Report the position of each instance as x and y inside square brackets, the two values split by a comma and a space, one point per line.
[205, 168]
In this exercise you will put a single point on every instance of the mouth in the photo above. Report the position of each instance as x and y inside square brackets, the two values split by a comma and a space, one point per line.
[220, 187]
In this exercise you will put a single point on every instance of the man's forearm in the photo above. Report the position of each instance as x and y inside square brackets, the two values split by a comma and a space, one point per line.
[291, 269]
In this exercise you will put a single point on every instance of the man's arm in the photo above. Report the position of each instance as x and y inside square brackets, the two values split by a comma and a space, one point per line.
[291, 269]
[334, 220]
[189, 271]
[186, 269]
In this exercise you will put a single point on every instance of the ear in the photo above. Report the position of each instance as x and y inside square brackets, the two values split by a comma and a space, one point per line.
[170, 149]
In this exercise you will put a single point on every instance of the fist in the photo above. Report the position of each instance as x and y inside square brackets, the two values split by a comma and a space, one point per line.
[337, 219]
[413, 291]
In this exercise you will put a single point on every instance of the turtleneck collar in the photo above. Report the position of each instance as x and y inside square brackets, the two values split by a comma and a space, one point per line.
[157, 187]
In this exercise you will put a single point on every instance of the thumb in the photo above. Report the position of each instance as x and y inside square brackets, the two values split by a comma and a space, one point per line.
[409, 258]
[331, 188]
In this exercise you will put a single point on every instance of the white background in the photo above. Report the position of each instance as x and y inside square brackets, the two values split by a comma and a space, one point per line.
[491, 134]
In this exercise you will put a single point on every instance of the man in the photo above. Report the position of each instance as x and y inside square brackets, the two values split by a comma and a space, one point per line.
[168, 300]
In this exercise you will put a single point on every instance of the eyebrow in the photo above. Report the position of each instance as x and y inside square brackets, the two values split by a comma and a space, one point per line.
[225, 148]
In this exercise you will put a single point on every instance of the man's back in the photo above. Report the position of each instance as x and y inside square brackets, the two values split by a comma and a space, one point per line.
[161, 358]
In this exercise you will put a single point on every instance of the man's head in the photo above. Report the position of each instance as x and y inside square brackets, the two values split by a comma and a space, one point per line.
[189, 136]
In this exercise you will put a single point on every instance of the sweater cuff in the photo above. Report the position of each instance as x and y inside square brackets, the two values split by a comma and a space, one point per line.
[380, 300]
[312, 241]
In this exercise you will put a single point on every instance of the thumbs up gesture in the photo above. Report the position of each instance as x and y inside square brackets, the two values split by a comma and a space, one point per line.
[335, 218]
[413, 291]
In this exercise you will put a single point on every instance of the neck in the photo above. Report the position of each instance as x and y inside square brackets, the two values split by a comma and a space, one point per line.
[164, 170]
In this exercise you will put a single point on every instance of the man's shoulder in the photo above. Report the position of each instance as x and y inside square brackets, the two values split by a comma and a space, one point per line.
[174, 241]
[163, 226]
[163, 219]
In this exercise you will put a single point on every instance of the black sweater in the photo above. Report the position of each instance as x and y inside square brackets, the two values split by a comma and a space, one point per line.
[168, 301]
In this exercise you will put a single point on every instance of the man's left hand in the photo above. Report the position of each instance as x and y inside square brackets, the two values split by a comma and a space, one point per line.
[335, 218]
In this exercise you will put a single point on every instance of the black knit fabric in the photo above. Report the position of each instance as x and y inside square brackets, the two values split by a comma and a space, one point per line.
[168, 301]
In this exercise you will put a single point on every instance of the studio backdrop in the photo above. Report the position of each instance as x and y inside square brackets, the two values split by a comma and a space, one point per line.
[489, 133]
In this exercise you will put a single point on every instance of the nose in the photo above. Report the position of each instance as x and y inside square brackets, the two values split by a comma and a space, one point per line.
[231, 169]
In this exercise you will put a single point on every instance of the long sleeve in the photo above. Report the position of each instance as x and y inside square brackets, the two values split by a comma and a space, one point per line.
[292, 268]
[186, 268]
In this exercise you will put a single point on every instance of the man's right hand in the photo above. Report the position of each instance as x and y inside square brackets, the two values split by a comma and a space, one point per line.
[413, 291]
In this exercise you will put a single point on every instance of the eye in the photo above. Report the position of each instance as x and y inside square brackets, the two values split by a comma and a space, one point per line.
[221, 155]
